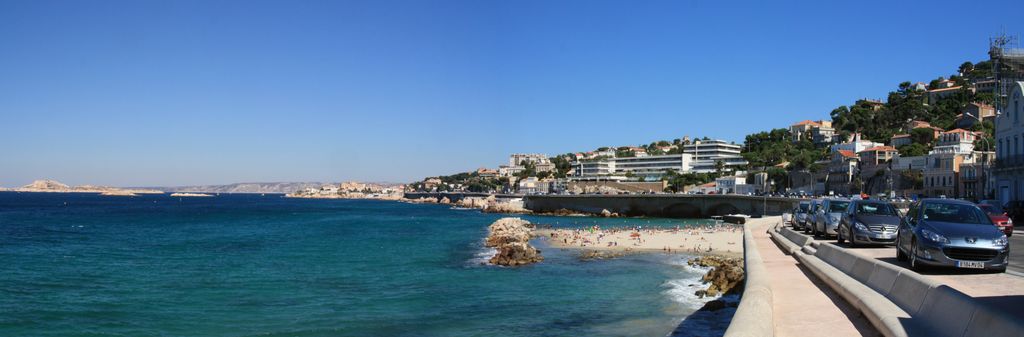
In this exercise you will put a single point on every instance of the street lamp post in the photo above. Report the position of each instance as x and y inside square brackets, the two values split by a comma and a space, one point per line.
[984, 162]
[764, 196]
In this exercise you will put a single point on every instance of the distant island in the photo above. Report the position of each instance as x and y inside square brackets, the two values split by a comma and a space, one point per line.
[53, 186]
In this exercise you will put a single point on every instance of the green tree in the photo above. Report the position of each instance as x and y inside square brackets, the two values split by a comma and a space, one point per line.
[913, 150]
[923, 136]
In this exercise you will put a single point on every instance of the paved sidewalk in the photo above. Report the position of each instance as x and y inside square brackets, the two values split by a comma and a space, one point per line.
[803, 305]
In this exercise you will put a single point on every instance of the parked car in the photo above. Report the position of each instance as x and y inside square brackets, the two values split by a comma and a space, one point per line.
[951, 233]
[869, 222]
[1014, 209]
[812, 209]
[800, 214]
[828, 216]
[998, 217]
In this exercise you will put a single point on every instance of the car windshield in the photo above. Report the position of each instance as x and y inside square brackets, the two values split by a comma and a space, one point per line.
[955, 213]
[838, 206]
[991, 209]
[875, 209]
[803, 207]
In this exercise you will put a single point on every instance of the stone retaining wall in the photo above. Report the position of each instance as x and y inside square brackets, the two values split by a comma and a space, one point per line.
[754, 316]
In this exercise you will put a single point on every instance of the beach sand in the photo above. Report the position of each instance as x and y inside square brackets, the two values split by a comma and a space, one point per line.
[723, 240]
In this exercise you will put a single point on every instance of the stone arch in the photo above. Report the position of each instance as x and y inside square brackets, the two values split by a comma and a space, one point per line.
[723, 209]
[682, 210]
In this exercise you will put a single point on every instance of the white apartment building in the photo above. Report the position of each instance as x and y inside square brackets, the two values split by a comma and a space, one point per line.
[1009, 168]
[855, 145]
[540, 162]
[517, 159]
[706, 153]
[648, 167]
[730, 184]
[958, 141]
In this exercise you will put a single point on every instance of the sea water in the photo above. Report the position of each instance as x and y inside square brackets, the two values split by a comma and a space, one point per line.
[255, 265]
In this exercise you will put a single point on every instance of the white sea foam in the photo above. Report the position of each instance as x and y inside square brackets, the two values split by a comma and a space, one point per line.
[483, 256]
[682, 290]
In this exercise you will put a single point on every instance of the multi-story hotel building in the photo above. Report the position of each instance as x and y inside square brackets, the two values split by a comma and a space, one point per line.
[707, 153]
[648, 167]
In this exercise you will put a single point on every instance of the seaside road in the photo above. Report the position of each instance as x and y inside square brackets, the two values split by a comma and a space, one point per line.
[1004, 291]
[803, 305]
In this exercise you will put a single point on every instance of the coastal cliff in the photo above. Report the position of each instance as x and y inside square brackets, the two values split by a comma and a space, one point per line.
[511, 236]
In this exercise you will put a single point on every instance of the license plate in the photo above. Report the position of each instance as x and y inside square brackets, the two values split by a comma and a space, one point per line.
[970, 264]
[885, 236]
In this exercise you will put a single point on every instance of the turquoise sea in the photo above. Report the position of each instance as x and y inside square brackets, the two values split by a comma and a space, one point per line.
[254, 265]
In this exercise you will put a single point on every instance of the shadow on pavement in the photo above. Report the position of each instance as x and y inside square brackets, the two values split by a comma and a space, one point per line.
[851, 313]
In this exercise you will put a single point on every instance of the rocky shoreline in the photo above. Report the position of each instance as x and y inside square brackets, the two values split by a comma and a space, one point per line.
[726, 275]
[490, 204]
[511, 238]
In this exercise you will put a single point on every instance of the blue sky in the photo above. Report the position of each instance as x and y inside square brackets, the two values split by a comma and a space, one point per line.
[147, 93]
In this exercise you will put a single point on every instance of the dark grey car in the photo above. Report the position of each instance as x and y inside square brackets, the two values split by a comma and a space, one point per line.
[869, 222]
[951, 233]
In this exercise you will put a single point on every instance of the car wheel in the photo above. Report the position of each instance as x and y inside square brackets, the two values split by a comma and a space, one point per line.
[899, 252]
[914, 264]
[839, 234]
[853, 241]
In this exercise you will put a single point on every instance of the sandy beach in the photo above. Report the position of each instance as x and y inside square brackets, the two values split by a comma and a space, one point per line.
[722, 239]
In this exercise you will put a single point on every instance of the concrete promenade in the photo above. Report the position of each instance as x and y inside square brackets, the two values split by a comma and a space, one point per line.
[1004, 291]
[802, 304]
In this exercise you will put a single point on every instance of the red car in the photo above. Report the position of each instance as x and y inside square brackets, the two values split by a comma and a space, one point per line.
[999, 218]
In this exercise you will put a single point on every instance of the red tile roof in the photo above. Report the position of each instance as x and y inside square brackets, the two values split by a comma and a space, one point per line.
[880, 148]
[847, 153]
[807, 122]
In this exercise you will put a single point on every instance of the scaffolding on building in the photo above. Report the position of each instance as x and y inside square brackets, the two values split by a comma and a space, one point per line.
[1007, 65]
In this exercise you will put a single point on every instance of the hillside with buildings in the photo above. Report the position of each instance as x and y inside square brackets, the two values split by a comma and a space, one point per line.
[951, 136]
